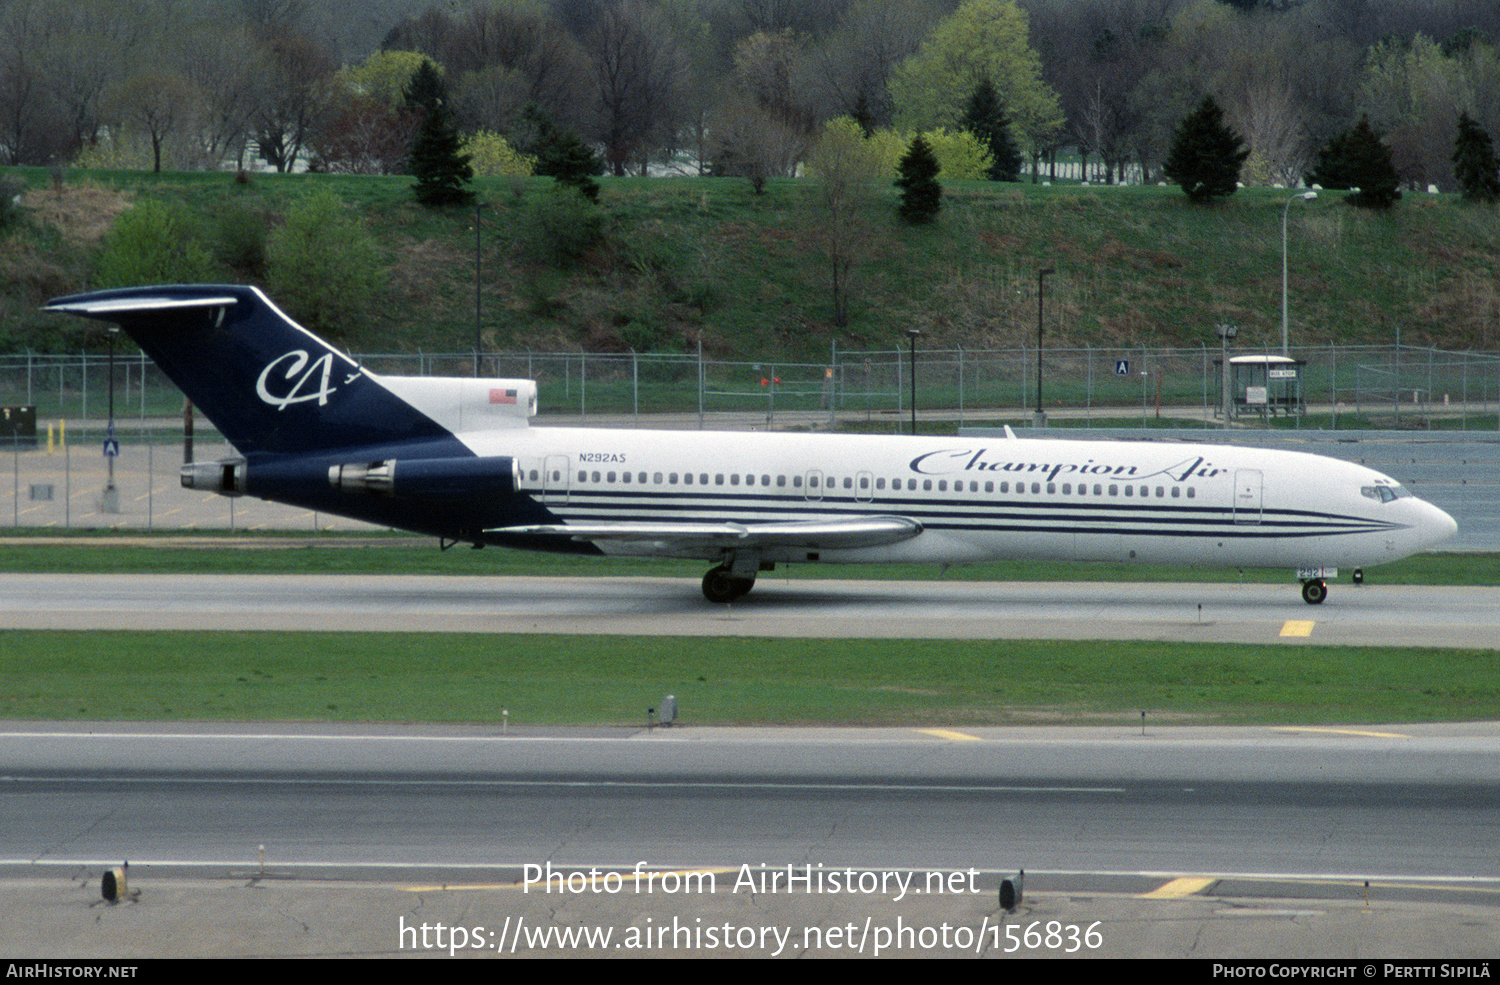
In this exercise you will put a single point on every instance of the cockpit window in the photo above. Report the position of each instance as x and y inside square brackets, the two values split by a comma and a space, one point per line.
[1386, 494]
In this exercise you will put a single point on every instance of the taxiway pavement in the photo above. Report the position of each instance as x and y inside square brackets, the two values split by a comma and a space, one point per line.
[1372, 615]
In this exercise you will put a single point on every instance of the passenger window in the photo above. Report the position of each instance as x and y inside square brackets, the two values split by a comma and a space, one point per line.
[1051, 488]
[879, 483]
[780, 481]
[1130, 490]
[1176, 492]
[610, 477]
[1160, 492]
[734, 479]
[1036, 487]
[687, 478]
[1192, 492]
[864, 482]
[1067, 488]
[672, 478]
[848, 483]
[765, 480]
[1114, 490]
[657, 478]
[927, 485]
[989, 487]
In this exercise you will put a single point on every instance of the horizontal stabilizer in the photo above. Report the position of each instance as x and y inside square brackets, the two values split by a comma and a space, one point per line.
[109, 308]
[834, 532]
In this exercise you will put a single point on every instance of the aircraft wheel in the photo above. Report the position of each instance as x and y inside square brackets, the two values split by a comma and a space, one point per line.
[1314, 592]
[719, 586]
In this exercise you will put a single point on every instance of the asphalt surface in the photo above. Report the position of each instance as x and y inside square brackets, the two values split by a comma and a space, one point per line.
[257, 841]
[1382, 615]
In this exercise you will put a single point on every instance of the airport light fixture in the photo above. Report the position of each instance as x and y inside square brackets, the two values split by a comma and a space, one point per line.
[1225, 333]
[1285, 212]
[1041, 293]
[110, 501]
[912, 334]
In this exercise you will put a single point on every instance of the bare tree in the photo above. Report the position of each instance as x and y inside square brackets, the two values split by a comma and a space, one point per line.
[298, 88]
[636, 72]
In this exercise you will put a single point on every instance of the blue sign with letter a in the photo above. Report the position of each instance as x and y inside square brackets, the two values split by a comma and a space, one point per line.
[1122, 367]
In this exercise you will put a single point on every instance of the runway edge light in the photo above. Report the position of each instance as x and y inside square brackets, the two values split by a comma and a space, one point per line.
[113, 886]
[1010, 890]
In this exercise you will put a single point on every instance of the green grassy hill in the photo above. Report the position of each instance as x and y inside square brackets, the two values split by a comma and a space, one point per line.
[665, 263]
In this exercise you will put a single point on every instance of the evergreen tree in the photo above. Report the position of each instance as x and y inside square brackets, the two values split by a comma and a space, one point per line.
[426, 89]
[442, 172]
[561, 155]
[1474, 163]
[921, 195]
[1206, 154]
[985, 118]
[1358, 158]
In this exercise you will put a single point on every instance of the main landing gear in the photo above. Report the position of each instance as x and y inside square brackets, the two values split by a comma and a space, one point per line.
[721, 585]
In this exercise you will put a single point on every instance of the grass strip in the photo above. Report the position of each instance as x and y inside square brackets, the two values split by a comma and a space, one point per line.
[586, 680]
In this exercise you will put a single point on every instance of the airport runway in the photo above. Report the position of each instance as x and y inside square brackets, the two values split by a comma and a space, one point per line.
[1373, 615]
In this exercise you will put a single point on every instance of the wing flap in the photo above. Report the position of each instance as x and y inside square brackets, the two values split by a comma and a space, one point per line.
[834, 532]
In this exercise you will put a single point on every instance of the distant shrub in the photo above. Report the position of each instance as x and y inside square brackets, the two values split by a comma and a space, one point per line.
[491, 155]
[154, 243]
[10, 205]
[559, 228]
[241, 243]
[322, 265]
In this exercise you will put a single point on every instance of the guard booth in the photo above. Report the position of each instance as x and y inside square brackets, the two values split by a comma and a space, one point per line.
[1265, 386]
[17, 427]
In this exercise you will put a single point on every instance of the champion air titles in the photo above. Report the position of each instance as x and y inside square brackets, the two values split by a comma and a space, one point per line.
[951, 460]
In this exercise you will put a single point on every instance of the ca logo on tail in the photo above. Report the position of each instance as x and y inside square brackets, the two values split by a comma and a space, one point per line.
[294, 368]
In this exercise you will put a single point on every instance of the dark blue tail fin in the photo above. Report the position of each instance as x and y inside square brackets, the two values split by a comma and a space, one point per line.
[268, 384]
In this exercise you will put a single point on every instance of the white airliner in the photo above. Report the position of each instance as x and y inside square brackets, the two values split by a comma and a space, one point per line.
[457, 459]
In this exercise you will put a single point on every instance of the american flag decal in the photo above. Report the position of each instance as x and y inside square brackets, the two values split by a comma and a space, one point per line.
[498, 396]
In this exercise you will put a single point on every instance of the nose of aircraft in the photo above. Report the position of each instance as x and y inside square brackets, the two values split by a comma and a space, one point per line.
[1437, 526]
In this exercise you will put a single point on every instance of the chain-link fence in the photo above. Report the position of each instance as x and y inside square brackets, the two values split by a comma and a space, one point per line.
[59, 472]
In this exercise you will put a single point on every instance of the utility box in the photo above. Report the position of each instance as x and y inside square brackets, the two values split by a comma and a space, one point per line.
[17, 427]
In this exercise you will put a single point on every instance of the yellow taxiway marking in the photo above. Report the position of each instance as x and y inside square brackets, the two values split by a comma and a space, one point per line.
[1297, 627]
[1343, 731]
[942, 733]
[1178, 888]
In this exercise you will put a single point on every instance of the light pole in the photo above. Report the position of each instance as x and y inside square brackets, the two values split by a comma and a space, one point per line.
[110, 503]
[1226, 332]
[1041, 289]
[477, 322]
[1285, 212]
[912, 334]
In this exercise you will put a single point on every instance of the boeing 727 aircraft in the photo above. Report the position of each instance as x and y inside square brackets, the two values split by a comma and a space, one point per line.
[457, 459]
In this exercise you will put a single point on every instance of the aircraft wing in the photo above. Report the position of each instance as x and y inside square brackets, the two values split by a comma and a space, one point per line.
[847, 532]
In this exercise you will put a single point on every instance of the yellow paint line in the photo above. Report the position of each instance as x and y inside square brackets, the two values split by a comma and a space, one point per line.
[942, 733]
[1178, 888]
[1297, 627]
[1344, 731]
